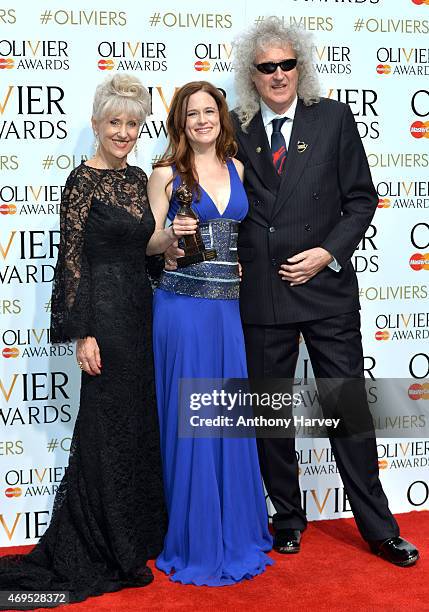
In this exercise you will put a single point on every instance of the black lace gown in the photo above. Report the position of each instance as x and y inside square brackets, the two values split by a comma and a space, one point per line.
[109, 515]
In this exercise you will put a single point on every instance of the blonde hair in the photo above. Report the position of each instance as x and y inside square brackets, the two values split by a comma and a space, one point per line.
[121, 93]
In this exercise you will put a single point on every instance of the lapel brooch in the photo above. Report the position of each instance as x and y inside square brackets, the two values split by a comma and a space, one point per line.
[301, 146]
[258, 149]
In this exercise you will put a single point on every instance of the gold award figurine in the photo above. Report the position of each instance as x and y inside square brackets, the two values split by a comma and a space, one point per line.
[195, 250]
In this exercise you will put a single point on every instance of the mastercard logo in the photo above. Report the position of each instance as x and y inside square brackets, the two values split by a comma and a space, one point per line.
[106, 64]
[6, 63]
[420, 2]
[419, 261]
[13, 492]
[420, 129]
[7, 209]
[383, 203]
[383, 69]
[10, 352]
[418, 391]
[382, 335]
[202, 66]
[383, 464]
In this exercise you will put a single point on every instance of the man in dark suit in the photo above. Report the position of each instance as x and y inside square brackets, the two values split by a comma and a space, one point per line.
[311, 199]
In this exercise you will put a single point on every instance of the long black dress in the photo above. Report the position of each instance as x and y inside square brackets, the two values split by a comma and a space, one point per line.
[109, 515]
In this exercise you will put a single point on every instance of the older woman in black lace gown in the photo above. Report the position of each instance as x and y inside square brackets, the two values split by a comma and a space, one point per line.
[108, 516]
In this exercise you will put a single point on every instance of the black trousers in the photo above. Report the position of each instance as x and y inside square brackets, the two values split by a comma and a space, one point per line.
[335, 349]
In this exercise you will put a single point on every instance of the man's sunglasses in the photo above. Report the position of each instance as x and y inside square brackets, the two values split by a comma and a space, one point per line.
[270, 67]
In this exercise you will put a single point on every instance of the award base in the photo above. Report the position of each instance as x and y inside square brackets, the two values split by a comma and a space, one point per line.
[200, 256]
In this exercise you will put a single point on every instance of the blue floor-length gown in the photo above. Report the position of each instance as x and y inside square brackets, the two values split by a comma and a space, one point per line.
[218, 528]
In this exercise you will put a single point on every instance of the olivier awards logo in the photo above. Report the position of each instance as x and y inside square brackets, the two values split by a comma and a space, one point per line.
[19, 248]
[365, 258]
[132, 56]
[402, 326]
[31, 343]
[18, 526]
[409, 195]
[363, 104]
[313, 462]
[33, 482]
[34, 55]
[212, 56]
[333, 59]
[34, 398]
[30, 199]
[403, 455]
[402, 61]
[31, 101]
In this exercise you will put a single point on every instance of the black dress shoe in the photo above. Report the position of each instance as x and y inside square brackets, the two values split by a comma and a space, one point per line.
[396, 550]
[287, 541]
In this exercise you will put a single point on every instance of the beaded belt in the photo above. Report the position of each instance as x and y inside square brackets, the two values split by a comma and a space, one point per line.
[217, 279]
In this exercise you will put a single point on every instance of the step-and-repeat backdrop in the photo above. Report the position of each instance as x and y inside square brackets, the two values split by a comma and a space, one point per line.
[371, 54]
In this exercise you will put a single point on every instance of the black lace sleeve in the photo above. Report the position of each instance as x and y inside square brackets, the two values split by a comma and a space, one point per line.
[70, 314]
[154, 268]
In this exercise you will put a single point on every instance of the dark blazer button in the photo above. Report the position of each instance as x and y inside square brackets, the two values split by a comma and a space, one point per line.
[274, 262]
[256, 203]
[307, 228]
[316, 195]
[271, 229]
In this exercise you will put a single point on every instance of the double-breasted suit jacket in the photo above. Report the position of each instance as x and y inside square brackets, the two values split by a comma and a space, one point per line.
[325, 198]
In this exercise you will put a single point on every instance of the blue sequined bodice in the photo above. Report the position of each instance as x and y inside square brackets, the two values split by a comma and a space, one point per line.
[219, 278]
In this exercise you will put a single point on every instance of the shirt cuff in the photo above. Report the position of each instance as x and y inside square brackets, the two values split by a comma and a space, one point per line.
[334, 265]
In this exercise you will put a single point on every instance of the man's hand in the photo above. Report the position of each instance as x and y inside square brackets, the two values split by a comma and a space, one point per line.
[303, 266]
[170, 256]
[88, 355]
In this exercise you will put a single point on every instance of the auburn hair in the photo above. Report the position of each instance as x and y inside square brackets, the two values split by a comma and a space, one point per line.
[179, 153]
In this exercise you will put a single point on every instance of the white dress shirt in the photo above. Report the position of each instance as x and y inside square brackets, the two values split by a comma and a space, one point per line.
[267, 116]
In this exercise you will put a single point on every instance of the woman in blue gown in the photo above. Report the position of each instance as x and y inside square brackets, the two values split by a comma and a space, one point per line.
[218, 527]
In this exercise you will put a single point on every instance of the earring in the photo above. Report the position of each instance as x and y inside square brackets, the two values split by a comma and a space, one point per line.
[135, 149]
[96, 142]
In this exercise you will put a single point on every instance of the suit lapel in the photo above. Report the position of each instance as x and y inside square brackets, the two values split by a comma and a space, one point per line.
[305, 131]
[258, 151]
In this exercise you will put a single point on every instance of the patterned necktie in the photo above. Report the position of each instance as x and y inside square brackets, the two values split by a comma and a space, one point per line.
[278, 145]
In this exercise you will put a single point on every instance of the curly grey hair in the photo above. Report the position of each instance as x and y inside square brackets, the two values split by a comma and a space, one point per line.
[121, 93]
[271, 33]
